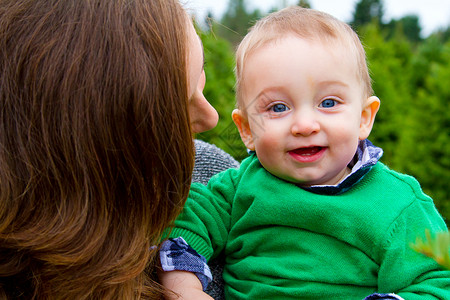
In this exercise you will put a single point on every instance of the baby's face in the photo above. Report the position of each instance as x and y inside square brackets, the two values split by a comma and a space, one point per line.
[305, 110]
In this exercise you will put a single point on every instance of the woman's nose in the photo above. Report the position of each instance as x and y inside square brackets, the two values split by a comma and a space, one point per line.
[203, 116]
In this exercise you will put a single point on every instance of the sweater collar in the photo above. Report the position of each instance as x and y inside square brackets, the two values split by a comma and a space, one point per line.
[367, 155]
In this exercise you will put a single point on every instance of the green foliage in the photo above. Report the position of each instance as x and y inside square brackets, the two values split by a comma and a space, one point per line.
[390, 71]
[236, 21]
[219, 91]
[425, 144]
[304, 3]
[366, 11]
[443, 35]
[437, 247]
[407, 25]
[372, 11]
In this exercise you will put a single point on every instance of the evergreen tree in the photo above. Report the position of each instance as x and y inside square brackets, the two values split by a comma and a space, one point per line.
[236, 21]
[389, 63]
[219, 90]
[423, 148]
[408, 25]
[443, 34]
[366, 11]
[304, 3]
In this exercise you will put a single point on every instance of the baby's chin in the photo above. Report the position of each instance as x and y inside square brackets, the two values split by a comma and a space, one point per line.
[306, 183]
[298, 182]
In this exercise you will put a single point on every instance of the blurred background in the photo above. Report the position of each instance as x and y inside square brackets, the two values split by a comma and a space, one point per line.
[410, 68]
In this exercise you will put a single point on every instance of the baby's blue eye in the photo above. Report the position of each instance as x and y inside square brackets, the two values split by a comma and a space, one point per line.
[279, 108]
[327, 103]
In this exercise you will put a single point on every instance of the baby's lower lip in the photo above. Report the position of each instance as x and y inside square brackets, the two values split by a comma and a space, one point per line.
[309, 154]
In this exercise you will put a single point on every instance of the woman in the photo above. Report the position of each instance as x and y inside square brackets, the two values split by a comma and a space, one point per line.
[97, 102]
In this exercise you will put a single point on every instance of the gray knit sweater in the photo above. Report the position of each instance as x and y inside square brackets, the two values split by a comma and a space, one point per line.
[210, 160]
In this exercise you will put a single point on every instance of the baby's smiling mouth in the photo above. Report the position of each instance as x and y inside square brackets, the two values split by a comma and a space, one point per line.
[308, 151]
[307, 154]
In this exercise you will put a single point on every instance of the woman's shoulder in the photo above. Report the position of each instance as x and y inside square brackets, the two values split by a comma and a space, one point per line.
[210, 160]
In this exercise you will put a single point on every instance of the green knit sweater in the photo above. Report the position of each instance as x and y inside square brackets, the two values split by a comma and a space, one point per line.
[282, 242]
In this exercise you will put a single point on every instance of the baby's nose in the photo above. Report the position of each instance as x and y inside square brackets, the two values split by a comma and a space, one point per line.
[305, 125]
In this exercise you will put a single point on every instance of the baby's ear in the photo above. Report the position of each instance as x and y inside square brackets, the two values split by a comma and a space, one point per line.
[241, 121]
[369, 111]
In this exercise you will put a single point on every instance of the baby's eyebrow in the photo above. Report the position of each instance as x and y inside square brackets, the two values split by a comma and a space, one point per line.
[269, 91]
[334, 82]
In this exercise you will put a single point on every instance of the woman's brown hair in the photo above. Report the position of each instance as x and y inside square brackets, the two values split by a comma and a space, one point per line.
[96, 150]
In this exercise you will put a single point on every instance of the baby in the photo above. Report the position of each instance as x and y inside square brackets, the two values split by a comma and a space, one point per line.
[312, 213]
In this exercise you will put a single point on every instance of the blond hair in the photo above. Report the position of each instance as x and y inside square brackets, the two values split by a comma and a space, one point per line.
[307, 24]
